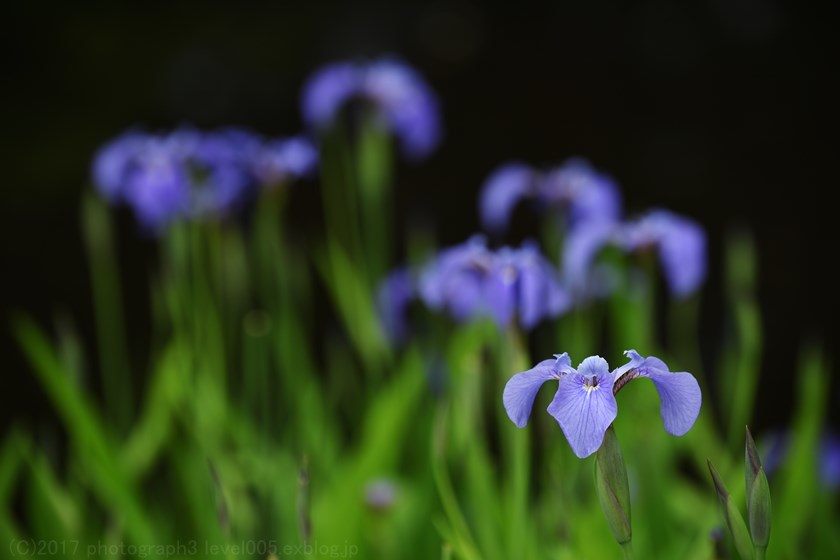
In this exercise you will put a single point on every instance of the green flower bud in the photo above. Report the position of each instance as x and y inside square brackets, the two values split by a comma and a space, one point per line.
[752, 462]
[734, 521]
[613, 489]
[760, 510]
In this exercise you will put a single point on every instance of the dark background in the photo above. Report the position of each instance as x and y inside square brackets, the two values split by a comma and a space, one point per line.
[722, 110]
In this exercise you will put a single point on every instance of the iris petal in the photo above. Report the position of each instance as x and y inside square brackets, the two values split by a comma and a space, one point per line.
[502, 191]
[584, 407]
[679, 392]
[522, 388]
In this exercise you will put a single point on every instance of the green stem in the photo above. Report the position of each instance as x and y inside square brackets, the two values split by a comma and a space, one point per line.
[760, 552]
[107, 303]
[627, 549]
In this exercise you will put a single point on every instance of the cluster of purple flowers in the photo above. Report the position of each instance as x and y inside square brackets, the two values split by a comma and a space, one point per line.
[470, 280]
[592, 205]
[187, 173]
[398, 95]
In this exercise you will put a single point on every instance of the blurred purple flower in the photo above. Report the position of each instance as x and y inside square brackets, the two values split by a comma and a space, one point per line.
[282, 160]
[393, 297]
[584, 404]
[401, 96]
[679, 241]
[470, 280]
[830, 460]
[590, 196]
[585, 194]
[777, 444]
[191, 174]
[502, 191]
[380, 494]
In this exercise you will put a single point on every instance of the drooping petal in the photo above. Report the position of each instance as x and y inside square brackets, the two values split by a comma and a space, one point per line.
[590, 195]
[502, 190]
[679, 393]
[584, 407]
[327, 90]
[113, 162]
[682, 250]
[408, 103]
[521, 390]
[581, 247]
[680, 242]
[500, 294]
[540, 292]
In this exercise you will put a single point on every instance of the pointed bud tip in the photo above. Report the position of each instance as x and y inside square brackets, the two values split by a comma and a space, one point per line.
[720, 487]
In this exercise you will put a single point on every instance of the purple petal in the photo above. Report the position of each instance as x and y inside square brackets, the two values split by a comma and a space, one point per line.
[681, 244]
[521, 390]
[563, 363]
[594, 366]
[590, 195]
[392, 299]
[409, 104]
[582, 246]
[679, 393]
[502, 190]
[327, 90]
[682, 250]
[500, 295]
[281, 160]
[113, 162]
[584, 407]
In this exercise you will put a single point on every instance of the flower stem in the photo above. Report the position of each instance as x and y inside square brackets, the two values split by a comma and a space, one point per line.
[760, 552]
[627, 549]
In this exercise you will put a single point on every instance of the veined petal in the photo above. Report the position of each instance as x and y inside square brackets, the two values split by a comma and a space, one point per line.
[584, 407]
[521, 390]
[679, 393]
[594, 366]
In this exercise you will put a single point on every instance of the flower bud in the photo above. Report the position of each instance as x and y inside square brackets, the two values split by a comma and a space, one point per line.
[737, 527]
[613, 489]
[760, 510]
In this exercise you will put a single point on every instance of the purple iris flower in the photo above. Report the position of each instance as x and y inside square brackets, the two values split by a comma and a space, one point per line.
[223, 165]
[470, 280]
[586, 194]
[156, 177]
[191, 174]
[282, 160]
[399, 94]
[679, 242]
[584, 404]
